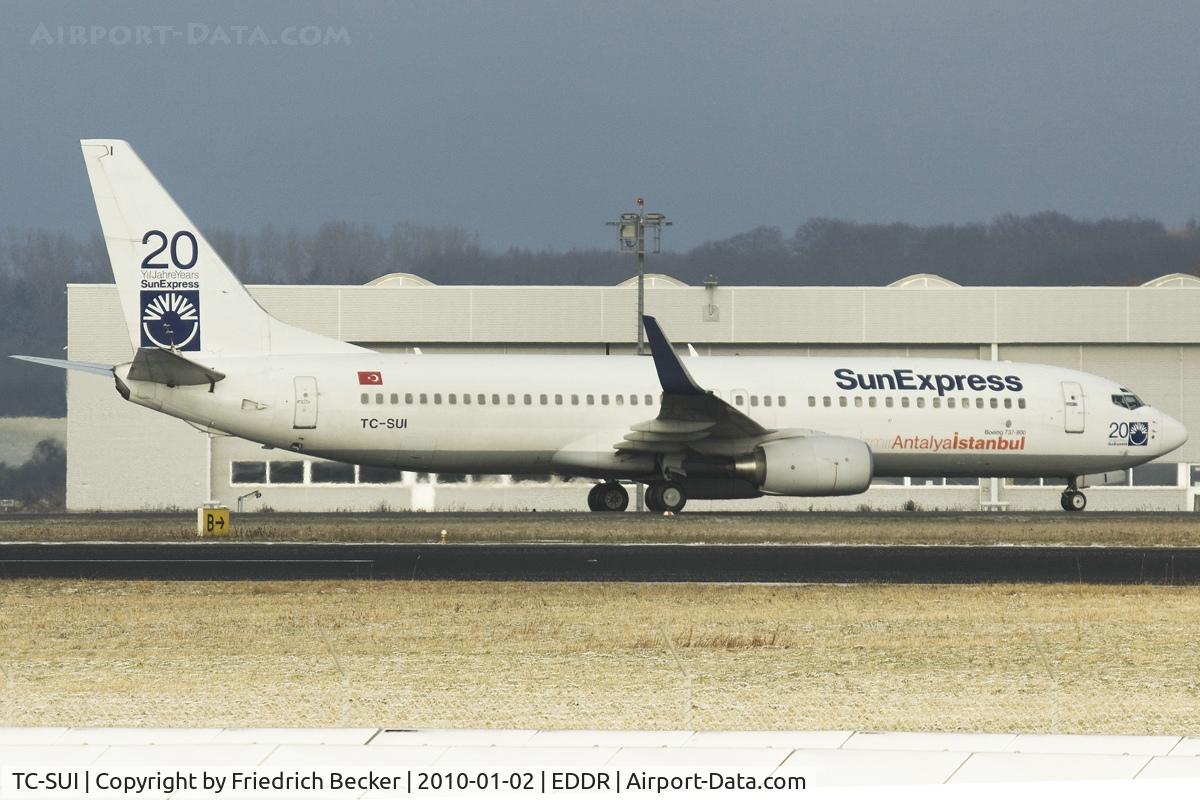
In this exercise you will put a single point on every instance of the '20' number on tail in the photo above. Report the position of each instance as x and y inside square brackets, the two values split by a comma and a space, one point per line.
[173, 242]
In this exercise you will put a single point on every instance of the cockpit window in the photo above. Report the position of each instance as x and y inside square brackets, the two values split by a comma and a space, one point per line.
[1129, 401]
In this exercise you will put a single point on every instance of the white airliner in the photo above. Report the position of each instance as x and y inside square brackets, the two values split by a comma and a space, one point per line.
[718, 428]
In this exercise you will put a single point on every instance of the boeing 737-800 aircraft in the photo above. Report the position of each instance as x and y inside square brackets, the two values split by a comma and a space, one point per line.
[204, 351]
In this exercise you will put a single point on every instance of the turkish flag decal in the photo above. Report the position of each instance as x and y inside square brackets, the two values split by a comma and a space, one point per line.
[370, 378]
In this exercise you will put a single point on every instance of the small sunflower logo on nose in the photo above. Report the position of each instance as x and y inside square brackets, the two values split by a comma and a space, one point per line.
[1139, 433]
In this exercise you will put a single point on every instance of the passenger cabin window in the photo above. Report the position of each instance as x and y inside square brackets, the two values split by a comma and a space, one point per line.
[949, 402]
[543, 399]
[453, 398]
[558, 399]
[528, 399]
[754, 401]
[937, 402]
[481, 399]
[1020, 402]
[408, 398]
[979, 402]
[620, 399]
[871, 401]
[889, 401]
[858, 402]
[782, 401]
[366, 398]
[495, 399]
[738, 400]
[842, 401]
[591, 399]
[649, 399]
[1129, 401]
[904, 402]
[920, 402]
[767, 400]
[437, 398]
[603, 399]
[424, 398]
[395, 399]
[512, 399]
[825, 401]
[466, 399]
[812, 401]
[633, 400]
[379, 398]
[995, 403]
[1008, 402]
[574, 399]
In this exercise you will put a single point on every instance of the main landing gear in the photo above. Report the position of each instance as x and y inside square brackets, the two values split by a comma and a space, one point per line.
[608, 497]
[1072, 498]
[665, 496]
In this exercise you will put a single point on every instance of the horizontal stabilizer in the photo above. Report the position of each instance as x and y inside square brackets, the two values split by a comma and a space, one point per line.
[81, 366]
[164, 366]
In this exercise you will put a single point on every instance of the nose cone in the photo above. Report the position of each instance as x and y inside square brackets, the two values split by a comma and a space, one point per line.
[1171, 434]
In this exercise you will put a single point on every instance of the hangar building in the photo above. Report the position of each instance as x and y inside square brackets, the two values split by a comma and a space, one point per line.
[121, 456]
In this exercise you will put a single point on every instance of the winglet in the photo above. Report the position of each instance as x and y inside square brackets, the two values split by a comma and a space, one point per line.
[672, 374]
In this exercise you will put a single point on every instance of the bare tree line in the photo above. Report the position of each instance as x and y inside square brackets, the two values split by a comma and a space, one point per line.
[1045, 249]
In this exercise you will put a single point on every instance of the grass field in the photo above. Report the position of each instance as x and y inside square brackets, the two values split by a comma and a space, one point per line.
[18, 435]
[1077, 659]
[1042, 528]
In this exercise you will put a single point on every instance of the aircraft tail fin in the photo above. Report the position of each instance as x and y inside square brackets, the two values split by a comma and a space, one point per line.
[176, 293]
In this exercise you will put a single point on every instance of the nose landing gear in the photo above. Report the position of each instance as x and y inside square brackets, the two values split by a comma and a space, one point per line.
[1072, 498]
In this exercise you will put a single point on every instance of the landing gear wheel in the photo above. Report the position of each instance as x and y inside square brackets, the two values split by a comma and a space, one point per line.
[594, 498]
[671, 496]
[653, 498]
[611, 497]
[1074, 500]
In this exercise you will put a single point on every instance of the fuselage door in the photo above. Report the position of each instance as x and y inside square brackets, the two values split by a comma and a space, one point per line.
[306, 403]
[1072, 406]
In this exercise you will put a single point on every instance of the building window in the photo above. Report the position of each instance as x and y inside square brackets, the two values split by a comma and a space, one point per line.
[332, 472]
[248, 472]
[380, 474]
[1156, 475]
[366, 398]
[285, 472]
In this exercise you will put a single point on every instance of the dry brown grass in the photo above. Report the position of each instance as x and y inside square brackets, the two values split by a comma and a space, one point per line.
[1032, 658]
[1047, 528]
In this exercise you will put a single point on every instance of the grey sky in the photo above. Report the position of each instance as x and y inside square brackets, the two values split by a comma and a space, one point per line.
[531, 123]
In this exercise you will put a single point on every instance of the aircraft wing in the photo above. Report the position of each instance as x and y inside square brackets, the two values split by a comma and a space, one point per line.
[688, 414]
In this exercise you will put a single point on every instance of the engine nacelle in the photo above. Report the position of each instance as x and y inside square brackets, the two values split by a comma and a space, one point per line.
[810, 466]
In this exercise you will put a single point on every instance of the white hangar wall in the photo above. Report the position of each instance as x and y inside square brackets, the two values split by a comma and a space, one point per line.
[121, 456]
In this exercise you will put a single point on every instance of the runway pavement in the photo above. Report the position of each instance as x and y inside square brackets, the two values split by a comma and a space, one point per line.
[567, 562]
